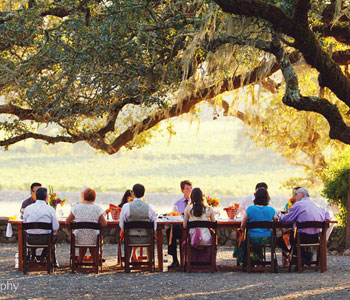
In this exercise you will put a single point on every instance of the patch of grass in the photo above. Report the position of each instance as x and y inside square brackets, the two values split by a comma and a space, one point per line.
[216, 157]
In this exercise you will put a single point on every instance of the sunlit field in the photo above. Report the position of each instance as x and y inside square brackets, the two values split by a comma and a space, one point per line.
[216, 156]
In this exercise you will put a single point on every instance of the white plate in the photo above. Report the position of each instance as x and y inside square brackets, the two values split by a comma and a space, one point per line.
[173, 218]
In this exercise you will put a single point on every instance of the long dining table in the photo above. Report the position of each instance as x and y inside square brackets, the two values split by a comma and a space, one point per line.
[161, 223]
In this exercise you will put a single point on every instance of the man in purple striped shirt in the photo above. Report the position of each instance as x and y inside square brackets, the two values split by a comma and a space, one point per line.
[175, 232]
[304, 209]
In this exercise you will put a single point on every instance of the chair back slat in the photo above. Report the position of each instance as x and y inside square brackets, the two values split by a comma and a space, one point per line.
[138, 225]
[97, 256]
[267, 265]
[37, 225]
[260, 224]
[209, 265]
[25, 245]
[139, 234]
[85, 225]
[321, 245]
[202, 224]
[310, 224]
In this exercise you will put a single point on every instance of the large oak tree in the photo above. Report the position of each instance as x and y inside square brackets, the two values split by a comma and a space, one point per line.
[107, 72]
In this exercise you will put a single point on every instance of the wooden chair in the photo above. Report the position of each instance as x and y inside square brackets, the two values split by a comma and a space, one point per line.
[265, 265]
[139, 234]
[298, 245]
[209, 265]
[97, 259]
[121, 257]
[26, 245]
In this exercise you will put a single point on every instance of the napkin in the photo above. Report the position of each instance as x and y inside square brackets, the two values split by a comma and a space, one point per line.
[9, 230]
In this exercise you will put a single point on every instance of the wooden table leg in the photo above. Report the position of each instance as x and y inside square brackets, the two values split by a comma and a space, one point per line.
[324, 248]
[20, 237]
[160, 246]
[182, 253]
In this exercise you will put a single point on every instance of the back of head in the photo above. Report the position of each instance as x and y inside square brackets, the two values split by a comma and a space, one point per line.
[126, 196]
[261, 185]
[197, 201]
[41, 193]
[139, 190]
[35, 184]
[89, 195]
[304, 191]
[261, 197]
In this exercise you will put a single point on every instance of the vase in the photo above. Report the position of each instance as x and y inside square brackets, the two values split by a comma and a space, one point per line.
[216, 212]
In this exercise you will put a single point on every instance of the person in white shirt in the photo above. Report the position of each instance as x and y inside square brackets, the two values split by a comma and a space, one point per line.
[137, 210]
[41, 212]
[249, 200]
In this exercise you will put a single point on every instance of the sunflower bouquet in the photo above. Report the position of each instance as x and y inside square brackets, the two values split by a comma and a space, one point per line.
[212, 201]
[54, 200]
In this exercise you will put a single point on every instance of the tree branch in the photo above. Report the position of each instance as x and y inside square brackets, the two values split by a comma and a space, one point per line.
[301, 11]
[338, 128]
[341, 32]
[184, 105]
[36, 136]
[341, 57]
[305, 41]
[21, 113]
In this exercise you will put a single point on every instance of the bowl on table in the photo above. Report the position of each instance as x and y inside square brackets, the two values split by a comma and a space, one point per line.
[174, 216]
[232, 211]
[115, 211]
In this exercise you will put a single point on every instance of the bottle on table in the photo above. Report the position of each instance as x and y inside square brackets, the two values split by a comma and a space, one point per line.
[165, 263]
[16, 261]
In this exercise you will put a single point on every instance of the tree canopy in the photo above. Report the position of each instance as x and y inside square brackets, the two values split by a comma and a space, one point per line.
[107, 72]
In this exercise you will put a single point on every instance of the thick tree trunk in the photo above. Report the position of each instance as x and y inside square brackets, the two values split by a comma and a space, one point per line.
[347, 232]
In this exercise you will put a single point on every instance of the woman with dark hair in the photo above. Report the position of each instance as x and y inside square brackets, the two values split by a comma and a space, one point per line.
[260, 211]
[128, 194]
[197, 211]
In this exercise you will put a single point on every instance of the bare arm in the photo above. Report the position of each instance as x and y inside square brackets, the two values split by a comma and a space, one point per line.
[212, 215]
[102, 221]
[70, 218]
[244, 221]
[186, 216]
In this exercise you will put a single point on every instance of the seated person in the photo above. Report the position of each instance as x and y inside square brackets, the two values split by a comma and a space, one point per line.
[33, 188]
[137, 210]
[127, 195]
[287, 231]
[29, 201]
[303, 210]
[86, 211]
[41, 212]
[291, 201]
[197, 211]
[260, 211]
[175, 232]
[248, 201]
